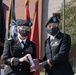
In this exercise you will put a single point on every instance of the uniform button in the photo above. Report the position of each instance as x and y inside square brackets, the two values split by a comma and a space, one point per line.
[22, 52]
[20, 63]
[19, 69]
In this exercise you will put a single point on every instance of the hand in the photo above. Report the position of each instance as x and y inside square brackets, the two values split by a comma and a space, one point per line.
[36, 61]
[25, 58]
[30, 59]
[37, 67]
[27, 55]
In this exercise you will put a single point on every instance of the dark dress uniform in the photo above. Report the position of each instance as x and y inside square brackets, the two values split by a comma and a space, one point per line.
[57, 51]
[12, 52]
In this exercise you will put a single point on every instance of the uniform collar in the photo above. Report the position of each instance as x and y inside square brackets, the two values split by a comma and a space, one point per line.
[53, 37]
[22, 40]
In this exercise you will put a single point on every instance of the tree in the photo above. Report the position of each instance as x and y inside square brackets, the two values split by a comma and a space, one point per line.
[70, 20]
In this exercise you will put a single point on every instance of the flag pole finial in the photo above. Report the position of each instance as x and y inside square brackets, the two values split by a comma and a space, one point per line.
[26, 2]
[35, 1]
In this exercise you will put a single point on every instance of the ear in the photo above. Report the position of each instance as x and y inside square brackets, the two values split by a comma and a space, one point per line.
[17, 28]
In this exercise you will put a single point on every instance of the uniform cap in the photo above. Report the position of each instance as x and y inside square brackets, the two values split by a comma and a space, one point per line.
[52, 20]
[24, 22]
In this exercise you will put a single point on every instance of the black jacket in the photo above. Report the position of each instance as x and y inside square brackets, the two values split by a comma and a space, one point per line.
[13, 50]
[58, 55]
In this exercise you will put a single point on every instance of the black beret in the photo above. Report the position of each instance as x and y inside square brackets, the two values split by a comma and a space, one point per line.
[53, 19]
[24, 22]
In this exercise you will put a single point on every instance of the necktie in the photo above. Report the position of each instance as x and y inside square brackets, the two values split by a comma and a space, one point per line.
[22, 44]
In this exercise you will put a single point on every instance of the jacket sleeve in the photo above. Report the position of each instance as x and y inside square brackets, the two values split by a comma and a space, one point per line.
[6, 57]
[34, 51]
[63, 52]
[44, 59]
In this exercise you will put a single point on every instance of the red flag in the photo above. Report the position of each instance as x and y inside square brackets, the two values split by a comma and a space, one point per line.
[35, 31]
[27, 14]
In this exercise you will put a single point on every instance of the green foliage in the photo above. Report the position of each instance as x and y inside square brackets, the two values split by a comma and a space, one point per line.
[74, 69]
[70, 20]
[42, 73]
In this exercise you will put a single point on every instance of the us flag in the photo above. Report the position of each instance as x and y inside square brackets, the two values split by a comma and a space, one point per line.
[12, 23]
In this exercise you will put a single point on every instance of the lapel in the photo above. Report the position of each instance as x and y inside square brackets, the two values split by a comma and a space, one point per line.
[53, 45]
[48, 41]
[17, 43]
[48, 48]
[28, 47]
[57, 40]
[26, 44]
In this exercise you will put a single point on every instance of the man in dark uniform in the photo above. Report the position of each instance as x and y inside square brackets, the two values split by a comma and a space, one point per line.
[56, 49]
[16, 50]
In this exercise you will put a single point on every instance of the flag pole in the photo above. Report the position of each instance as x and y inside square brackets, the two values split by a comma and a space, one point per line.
[8, 26]
[11, 18]
[27, 14]
[63, 22]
